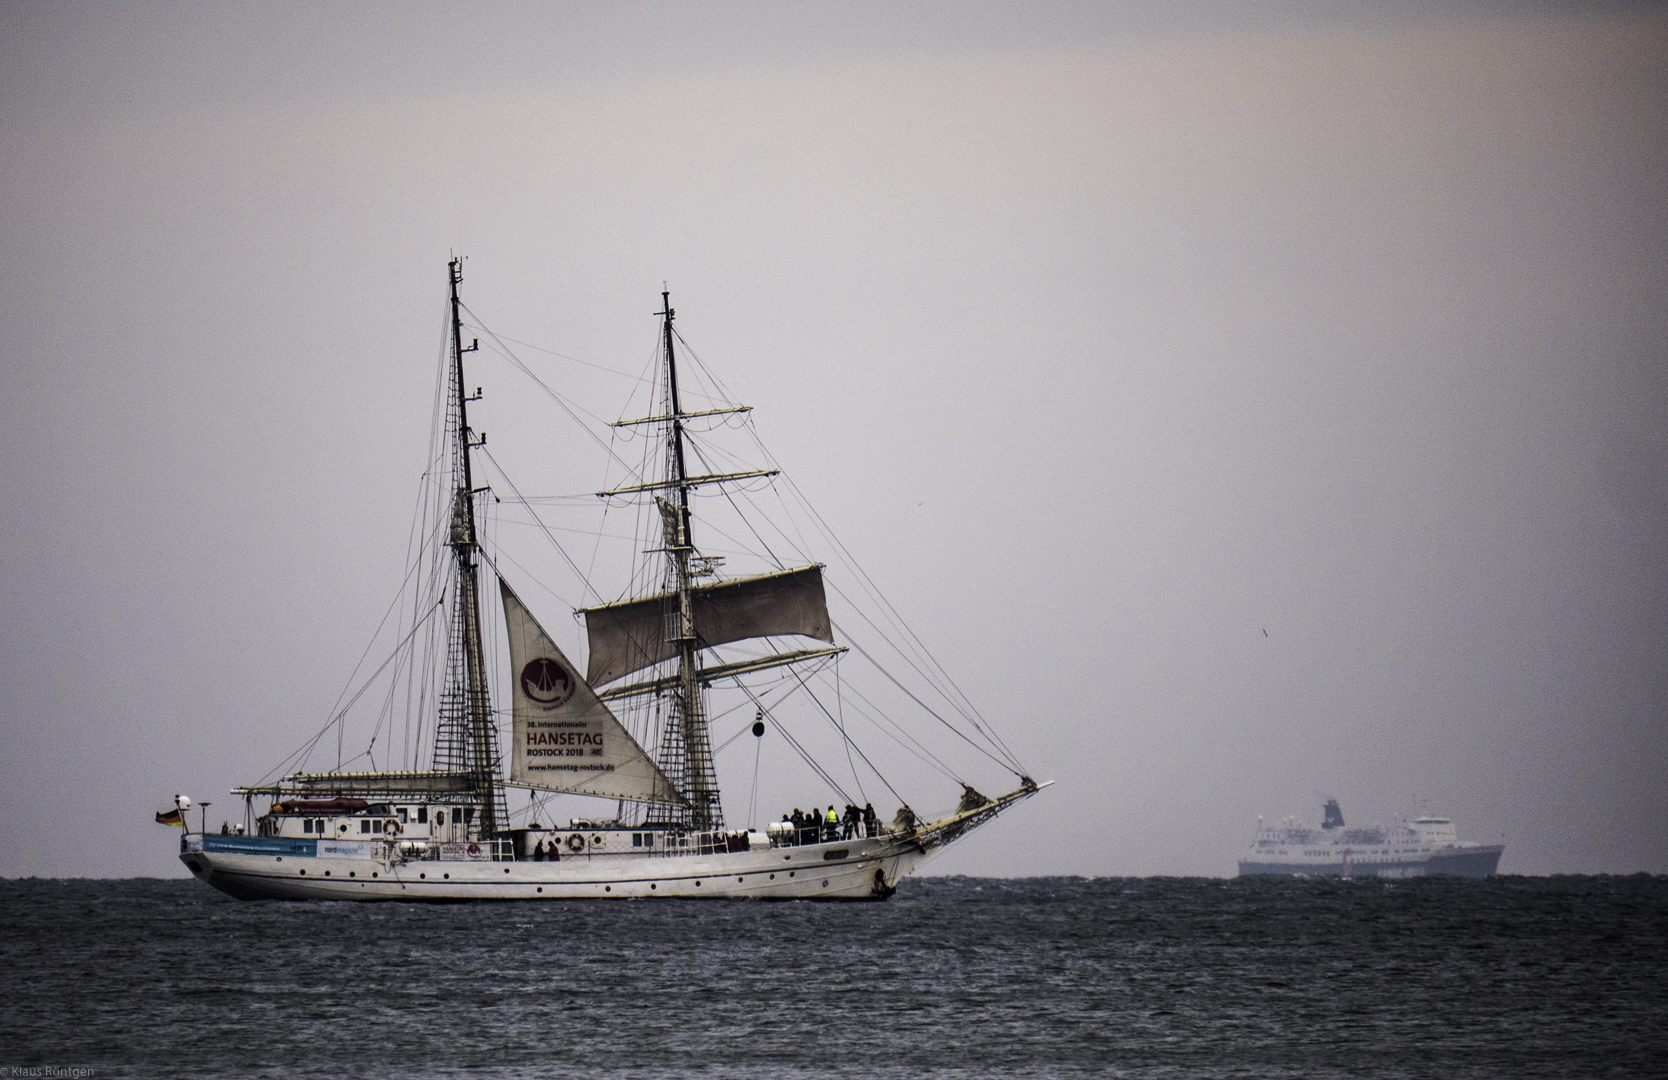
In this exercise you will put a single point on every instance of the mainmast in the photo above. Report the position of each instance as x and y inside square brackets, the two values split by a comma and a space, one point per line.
[480, 757]
[685, 618]
[699, 782]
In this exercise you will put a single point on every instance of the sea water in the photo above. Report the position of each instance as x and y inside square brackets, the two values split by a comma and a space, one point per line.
[953, 977]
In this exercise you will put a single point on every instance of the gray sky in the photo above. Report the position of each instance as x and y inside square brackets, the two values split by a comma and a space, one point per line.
[1109, 338]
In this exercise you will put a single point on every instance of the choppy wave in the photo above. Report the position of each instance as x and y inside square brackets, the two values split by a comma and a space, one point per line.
[954, 977]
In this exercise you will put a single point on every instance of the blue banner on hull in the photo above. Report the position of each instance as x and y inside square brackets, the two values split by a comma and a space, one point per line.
[259, 845]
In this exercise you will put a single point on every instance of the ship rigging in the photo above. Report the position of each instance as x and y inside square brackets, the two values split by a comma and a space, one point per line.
[680, 628]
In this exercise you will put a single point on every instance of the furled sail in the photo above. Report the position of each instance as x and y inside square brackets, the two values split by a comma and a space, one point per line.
[565, 738]
[631, 635]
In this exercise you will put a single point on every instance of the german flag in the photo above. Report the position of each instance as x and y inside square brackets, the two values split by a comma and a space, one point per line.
[171, 817]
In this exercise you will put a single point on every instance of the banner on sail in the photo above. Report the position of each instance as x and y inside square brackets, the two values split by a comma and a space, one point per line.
[565, 739]
[630, 636]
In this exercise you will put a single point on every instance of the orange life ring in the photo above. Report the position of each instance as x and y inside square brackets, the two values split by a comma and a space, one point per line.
[391, 827]
[576, 842]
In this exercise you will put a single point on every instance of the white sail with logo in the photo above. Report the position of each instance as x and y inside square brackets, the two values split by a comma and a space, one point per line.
[565, 738]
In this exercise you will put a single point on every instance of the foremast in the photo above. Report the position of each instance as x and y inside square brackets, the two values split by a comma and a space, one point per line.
[687, 751]
[468, 741]
[465, 769]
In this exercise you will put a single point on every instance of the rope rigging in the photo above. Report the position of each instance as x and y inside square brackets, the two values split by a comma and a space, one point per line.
[431, 572]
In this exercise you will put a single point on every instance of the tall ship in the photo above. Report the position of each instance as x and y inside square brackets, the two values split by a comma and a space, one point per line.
[1419, 847]
[450, 816]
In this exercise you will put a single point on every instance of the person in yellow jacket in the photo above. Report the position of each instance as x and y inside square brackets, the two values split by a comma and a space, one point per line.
[831, 823]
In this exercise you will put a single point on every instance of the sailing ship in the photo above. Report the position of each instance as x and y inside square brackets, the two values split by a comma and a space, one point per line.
[445, 832]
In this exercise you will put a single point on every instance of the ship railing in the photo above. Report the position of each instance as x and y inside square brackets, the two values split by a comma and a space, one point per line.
[804, 837]
[674, 845]
[453, 851]
[582, 844]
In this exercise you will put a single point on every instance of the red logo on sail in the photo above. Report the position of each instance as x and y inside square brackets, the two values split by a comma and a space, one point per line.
[546, 683]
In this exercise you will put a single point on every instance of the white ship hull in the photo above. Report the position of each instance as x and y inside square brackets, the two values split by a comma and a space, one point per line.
[858, 869]
[1476, 861]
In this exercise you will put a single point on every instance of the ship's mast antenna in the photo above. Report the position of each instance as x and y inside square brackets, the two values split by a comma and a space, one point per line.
[477, 705]
[700, 785]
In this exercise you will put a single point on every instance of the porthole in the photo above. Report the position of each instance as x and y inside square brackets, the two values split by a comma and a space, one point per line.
[825, 884]
[608, 888]
[697, 884]
[303, 873]
[327, 873]
[280, 858]
[425, 877]
[790, 873]
[373, 873]
[448, 877]
[506, 869]
[738, 879]
[541, 888]
[352, 874]
[773, 877]
[651, 884]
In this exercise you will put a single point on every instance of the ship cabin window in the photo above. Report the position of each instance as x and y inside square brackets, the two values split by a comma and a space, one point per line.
[364, 824]
[401, 814]
[468, 814]
[636, 839]
[306, 824]
[440, 817]
[422, 815]
[318, 826]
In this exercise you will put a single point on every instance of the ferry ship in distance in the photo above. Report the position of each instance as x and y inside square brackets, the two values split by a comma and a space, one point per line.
[1422, 847]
